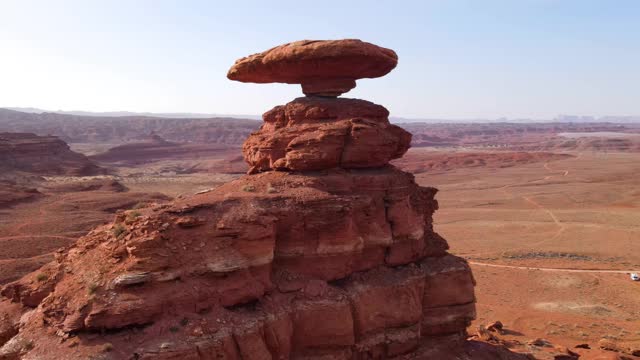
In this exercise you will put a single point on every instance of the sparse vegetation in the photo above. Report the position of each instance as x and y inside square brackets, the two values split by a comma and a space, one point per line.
[271, 189]
[107, 347]
[133, 215]
[42, 277]
[184, 322]
[140, 205]
[118, 230]
[93, 287]
[29, 345]
[174, 329]
[249, 188]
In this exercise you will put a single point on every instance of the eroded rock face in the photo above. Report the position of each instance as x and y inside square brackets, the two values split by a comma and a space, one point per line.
[322, 67]
[319, 133]
[342, 263]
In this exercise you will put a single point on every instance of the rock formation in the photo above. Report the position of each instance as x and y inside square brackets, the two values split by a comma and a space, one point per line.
[323, 68]
[42, 155]
[325, 252]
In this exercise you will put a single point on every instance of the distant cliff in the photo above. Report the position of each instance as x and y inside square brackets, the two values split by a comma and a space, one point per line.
[42, 155]
[108, 129]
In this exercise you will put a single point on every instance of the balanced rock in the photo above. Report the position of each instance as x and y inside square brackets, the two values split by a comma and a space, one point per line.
[322, 67]
[342, 263]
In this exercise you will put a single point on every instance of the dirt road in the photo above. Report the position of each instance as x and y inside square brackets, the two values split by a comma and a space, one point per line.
[554, 269]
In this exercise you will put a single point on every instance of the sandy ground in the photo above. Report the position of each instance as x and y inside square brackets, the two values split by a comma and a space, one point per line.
[551, 244]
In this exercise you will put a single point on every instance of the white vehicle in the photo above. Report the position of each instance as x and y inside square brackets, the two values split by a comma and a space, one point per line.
[635, 277]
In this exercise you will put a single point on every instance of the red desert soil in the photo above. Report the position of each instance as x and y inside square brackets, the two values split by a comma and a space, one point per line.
[551, 245]
[12, 193]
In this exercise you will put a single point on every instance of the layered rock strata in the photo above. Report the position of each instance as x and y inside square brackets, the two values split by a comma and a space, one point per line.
[42, 155]
[323, 67]
[325, 252]
[315, 133]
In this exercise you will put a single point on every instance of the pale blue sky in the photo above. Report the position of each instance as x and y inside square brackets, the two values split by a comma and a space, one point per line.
[458, 59]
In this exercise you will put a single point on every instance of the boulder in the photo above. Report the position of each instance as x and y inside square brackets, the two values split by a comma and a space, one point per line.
[322, 67]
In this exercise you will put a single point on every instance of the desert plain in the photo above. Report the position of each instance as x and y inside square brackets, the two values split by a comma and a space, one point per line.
[550, 224]
[551, 243]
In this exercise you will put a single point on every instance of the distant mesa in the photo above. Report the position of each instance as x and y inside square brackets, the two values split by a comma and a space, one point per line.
[43, 155]
[323, 67]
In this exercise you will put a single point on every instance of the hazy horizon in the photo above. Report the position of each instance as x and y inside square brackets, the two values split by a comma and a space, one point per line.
[530, 59]
[393, 119]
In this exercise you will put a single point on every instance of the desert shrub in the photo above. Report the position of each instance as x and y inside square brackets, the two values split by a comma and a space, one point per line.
[133, 215]
[107, 347]
[271, 189]
[118, 230]
[41, 277]
[249, 188]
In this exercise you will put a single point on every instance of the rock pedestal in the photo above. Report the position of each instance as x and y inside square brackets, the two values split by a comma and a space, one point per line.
[316, 133]
[325, 251]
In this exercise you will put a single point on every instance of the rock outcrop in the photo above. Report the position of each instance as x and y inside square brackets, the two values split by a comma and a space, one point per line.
[42, 155]
[325, 252]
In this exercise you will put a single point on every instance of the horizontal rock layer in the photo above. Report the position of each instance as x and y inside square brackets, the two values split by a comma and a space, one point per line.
[380, 313]
[42, 155]
[318, 133]
[333, 264]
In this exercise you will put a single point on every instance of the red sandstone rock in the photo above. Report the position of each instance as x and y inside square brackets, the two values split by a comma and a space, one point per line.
[323, 67]
[219, 249]
[315, 133]
[9, 318]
